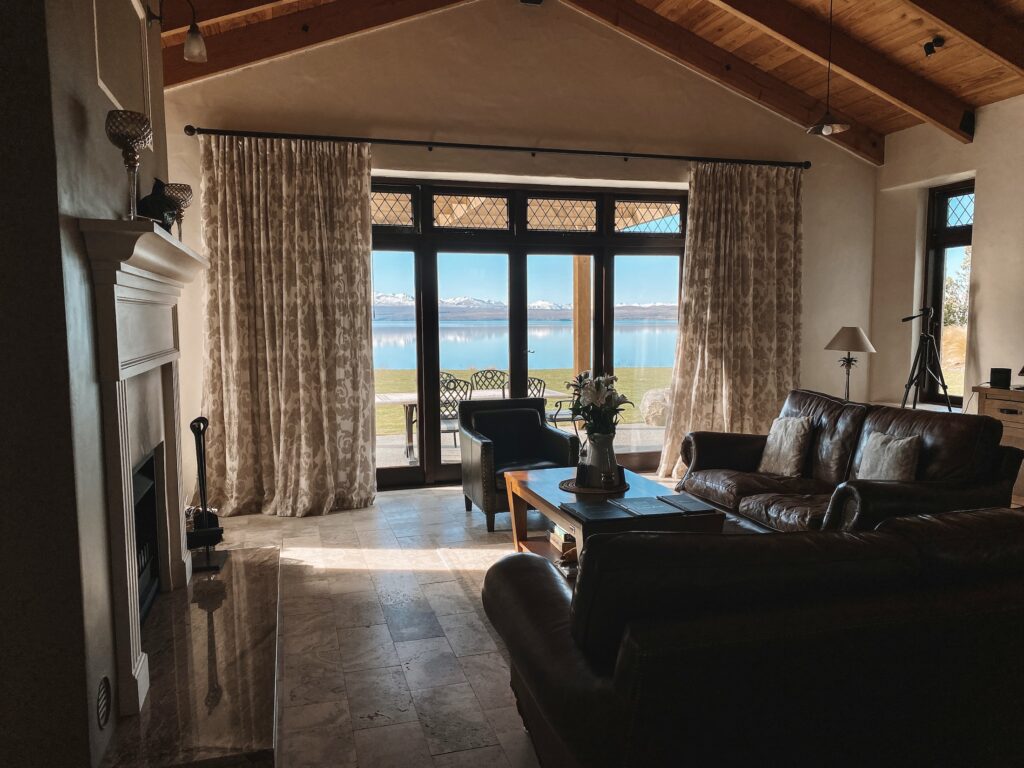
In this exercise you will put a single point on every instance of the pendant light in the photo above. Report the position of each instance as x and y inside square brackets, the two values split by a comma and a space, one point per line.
[195, 46]
[828, 124]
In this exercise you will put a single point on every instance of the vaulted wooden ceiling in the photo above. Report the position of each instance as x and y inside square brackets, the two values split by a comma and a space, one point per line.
[771, 51]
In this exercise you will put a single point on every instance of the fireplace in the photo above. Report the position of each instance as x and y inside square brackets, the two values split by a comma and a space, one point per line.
[138, 272]
[147, 539]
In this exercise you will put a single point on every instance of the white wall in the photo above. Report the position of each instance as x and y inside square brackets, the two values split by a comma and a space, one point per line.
[496, 71]
[919, 158]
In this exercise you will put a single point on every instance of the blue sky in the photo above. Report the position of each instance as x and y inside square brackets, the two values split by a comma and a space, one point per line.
[638, 279]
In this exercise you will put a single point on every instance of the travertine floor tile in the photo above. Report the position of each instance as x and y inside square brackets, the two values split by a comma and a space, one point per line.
[429, 663]
[393, 746]
[367, 648]
[452, 719]
[379, 697]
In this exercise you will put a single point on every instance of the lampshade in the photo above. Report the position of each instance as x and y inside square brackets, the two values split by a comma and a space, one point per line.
[828, 126]
[195, 46]
[850, 339]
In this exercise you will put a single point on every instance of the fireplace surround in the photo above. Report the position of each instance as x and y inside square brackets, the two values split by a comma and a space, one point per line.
[138, 272]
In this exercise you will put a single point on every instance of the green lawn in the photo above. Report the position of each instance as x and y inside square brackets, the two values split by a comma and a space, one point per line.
[633, 382]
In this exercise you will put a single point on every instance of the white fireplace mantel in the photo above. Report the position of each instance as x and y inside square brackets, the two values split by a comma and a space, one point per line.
[140, 246]
[138, 273]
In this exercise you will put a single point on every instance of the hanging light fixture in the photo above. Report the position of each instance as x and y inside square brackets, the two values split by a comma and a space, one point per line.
[828, 124]
[195, 46]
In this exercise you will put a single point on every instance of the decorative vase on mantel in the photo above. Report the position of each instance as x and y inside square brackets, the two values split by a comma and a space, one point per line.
[600, 458]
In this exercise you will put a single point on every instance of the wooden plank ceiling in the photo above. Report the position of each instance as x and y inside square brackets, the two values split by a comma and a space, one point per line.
[771, 51]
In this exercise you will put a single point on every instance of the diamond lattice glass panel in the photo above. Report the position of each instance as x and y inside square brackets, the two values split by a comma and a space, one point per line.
[960, 210]
[556, 215]
[648, 218]
[391, 209]
[470, 212]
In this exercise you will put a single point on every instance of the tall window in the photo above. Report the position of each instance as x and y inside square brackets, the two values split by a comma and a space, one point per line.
[947, 287]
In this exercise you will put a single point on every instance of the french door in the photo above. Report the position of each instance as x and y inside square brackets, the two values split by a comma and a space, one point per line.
[488, 292]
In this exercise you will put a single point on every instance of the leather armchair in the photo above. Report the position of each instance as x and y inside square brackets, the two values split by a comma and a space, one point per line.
[499, 436]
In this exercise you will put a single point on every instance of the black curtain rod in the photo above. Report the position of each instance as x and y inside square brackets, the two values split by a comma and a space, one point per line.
[192, 130]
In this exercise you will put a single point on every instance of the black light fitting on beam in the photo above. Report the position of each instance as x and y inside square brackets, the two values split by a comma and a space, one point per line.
[933, 45]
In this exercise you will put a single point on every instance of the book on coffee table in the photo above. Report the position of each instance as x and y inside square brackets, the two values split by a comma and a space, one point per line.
[687, 503]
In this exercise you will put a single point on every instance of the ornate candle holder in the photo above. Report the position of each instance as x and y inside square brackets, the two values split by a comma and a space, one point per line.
[131, 132]
[181, 196]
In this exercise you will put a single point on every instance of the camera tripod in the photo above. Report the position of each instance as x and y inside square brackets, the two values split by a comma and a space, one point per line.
[926, 361]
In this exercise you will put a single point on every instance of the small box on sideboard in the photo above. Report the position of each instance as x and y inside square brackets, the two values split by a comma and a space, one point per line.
[1007, 405]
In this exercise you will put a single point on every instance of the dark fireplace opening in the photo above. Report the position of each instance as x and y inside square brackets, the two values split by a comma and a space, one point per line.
[146, 540]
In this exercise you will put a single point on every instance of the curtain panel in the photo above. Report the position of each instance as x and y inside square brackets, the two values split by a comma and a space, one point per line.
[738, 347]
[288, 372]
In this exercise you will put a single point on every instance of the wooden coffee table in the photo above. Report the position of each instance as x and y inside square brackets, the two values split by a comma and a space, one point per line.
[538, 488]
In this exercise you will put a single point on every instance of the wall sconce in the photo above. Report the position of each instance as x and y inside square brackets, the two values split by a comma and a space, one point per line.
[195, 46]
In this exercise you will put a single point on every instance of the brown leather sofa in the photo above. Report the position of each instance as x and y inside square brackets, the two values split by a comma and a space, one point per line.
[961, 466]
[895, 647]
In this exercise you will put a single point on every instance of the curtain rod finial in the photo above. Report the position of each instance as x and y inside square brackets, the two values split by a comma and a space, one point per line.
[190, 130]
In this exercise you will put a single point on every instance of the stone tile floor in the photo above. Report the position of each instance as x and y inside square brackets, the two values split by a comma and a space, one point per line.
[386, 659]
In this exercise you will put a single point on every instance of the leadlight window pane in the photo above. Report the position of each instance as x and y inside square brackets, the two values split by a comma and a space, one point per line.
[391, 209]
[960, 210]
[560, 215]
[470, 212]
[647, 217]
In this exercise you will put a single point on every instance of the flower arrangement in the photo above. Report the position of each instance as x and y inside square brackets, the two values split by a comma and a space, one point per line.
[596, 403]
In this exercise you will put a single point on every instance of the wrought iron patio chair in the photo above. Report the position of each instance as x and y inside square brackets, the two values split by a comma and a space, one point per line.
[535, 387]
[453, 392]
[490, 378]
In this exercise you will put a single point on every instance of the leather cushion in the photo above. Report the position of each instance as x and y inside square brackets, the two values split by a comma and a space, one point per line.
[786, 512]
[725, 487]
[512, 466]
[837, 424]
[954, 446]
[514, 432]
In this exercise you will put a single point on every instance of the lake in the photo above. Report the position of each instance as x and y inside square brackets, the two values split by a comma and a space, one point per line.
[484, 344]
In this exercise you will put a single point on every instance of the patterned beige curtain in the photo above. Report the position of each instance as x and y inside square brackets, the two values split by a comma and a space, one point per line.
[738, 349]
[288, 376]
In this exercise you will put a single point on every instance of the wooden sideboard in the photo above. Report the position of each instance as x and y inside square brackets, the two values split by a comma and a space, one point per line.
[1007, 405]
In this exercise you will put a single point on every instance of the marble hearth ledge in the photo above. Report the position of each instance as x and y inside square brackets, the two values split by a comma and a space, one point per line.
[212, 650]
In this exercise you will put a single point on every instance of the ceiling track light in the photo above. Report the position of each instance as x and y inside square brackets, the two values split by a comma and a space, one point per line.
[195, 46]
[828, 125]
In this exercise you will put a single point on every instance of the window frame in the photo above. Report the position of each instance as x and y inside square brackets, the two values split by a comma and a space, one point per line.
[426, 241]
[938, 238]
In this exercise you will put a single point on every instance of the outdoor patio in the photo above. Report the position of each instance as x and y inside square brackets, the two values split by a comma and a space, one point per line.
[631, 438]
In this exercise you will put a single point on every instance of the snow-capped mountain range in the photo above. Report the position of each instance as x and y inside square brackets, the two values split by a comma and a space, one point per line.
[470, 302]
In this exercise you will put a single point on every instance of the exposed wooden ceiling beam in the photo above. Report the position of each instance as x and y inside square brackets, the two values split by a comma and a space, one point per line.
[871, 70]
[178, 14]
[694, 52]
[980, 25]
[285, 34]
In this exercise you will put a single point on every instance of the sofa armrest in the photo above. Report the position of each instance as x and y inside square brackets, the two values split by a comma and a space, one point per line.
[860, 505]
[722, 450]
[477, 468]
[560, 447]
[527, 601]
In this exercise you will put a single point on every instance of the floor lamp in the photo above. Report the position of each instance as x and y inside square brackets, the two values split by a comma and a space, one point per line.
[850, 339]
